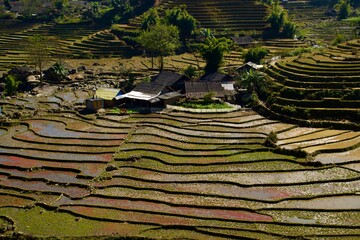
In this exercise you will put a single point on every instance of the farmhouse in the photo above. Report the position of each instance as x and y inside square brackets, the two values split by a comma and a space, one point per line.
[149, 94]
[198, 89]
[165, 89]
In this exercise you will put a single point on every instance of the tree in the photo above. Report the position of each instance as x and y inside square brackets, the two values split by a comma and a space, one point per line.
[255, 55]
[344, 9]
[213, 51]
[253, 81]
[206, 32]
[92, 13]
[60, 4]
[162, 39]
[289, 29]
[277, 16]
[39, 48]
[179, 16]
[150, 18]
[11, 84]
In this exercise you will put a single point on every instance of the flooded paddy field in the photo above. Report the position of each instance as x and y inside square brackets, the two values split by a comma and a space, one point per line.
[173, 175]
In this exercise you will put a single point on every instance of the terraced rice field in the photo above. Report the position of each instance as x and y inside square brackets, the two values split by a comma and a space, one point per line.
[232, 15]
[173, 175]
[73, 41]
[321, 85]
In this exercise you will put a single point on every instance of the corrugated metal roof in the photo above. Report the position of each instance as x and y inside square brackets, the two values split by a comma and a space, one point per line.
[107, 93]
[144, 91]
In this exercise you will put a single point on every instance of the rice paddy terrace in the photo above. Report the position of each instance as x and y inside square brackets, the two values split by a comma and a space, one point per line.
[173, 175]
[73, 41]
[233, 15]
[323, 85]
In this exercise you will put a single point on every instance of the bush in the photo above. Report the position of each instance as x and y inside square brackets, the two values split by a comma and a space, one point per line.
[271, 140]
[179, 16]
[11, 84]
[190, 71]
[213, 50]
[150, 18]
[56, 73]
[277, 16]
[289, 29]
[344, 9]
[256, 55]
[289, 109]
[208, 97]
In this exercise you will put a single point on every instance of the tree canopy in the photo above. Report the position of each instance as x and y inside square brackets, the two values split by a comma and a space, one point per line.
[39, 48]
[160, 38]
[179, 16]
[279, 20]
[150, 18]
[213, 50]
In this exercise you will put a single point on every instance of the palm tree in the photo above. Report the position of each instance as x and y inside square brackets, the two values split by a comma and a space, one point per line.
[253, 81]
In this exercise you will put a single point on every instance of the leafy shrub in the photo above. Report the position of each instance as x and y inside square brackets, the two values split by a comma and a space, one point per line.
[56, 73]
[256, 55]
[289, 29]
[150, 18]
[208, 97]
[271, 140]
[289, 109]
[338, 39]
[202, 104]
[179, 16]
[213, 51]
[277, 16]
[254, 82]
[11, 84]
[190, 71]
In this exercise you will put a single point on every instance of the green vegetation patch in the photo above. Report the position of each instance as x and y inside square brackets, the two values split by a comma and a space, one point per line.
[38, 221]
[200, 104]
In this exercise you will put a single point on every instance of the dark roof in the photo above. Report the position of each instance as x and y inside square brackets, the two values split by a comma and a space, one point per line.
[246, 40]
[168, 78]
[197, 89]
[215, 77]
[150, 88]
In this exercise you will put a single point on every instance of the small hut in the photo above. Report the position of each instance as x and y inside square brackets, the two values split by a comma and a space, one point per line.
[103, 98]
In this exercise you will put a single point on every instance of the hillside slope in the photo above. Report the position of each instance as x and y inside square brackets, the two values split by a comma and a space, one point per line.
[231, 15]
[323, 85]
